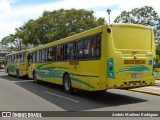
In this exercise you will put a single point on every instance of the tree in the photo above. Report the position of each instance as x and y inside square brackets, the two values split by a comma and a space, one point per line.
[145, 16]
[6, 41]
[56, 25]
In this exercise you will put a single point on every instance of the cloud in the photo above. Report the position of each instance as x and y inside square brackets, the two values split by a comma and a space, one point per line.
[5, 7]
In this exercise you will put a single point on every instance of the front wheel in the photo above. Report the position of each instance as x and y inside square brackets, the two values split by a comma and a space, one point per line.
[35, 78]
[67, 84]
[18, 74]
[8, 72]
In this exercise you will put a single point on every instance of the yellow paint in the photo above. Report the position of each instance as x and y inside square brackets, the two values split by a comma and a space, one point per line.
[125, 42]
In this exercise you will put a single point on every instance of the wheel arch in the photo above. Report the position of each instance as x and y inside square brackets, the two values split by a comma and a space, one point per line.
[33, 72]
[64, 74]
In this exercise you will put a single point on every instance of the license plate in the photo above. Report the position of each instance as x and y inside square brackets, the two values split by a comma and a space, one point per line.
[135, 75]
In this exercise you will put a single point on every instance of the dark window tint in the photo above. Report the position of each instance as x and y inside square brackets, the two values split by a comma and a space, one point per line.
[83, 49]
[60, 52]
[95, 46]
[44, 55]
[80, 49]
[86, 48]
[70, 50]
[37, 56]
[40, 56]
[50, 54]
[22, 57]
[34, 57]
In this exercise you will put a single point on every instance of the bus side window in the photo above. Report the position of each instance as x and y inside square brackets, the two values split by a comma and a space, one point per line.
[80, 49]
[95, 47]
[98, 53]
[69, 51]
[12, 58]
[44, 55]
[15, 58]
[86, 49]
[37, 56]
[60, 52]
[54, 54]
[19, 57]
[24, 57]
[40, 55]
[33, 57]
[30, 57]
[49, 54]
[9, 59]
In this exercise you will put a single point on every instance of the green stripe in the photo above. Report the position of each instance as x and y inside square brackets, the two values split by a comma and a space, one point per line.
[57, 74]
[137, 68]
[82, 82]
[12, 68]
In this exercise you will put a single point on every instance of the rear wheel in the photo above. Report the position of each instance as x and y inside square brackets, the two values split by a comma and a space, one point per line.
[18, 74]
[67, 84]
[8, 72]
[35, 77]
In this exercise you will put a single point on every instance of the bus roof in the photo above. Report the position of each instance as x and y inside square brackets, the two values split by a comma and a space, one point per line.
[84, 34]
[130, 25]
[17, 52]
[70, 38]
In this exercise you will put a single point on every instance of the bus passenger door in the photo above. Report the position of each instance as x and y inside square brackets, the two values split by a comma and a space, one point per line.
[73, 67]
[72, 62]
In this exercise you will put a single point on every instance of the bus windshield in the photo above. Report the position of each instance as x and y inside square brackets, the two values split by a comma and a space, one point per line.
[131, 38]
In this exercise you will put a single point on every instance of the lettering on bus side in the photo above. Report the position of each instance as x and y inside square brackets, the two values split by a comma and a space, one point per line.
[140, 62]
[73, 62]
[128, 61]
[134, 61]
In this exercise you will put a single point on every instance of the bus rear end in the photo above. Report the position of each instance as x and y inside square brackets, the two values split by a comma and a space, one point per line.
[132, 64]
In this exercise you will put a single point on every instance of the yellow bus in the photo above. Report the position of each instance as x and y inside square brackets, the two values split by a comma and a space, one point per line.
[109, 56]
[17, 64]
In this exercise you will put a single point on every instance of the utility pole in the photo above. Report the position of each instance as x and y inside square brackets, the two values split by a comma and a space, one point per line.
[109, 11]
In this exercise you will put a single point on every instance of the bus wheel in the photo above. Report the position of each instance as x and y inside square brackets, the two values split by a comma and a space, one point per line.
[35, 78]
[18, 74]
[67, 84]
[8, 72]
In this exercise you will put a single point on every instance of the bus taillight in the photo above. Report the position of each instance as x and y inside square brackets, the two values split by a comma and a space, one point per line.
[154, 65]
[110, 68]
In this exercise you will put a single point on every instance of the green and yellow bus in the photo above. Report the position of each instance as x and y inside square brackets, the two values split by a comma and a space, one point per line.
[17, 64]
[109, 56]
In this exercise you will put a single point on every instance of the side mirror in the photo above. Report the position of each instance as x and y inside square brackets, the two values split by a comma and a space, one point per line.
[4, 62]
[29, 57]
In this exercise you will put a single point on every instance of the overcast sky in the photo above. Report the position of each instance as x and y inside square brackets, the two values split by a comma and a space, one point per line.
[14, 13]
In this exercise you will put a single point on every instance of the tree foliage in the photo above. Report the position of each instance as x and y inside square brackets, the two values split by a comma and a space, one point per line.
[57, 24]
[12, 42]
[145, 16]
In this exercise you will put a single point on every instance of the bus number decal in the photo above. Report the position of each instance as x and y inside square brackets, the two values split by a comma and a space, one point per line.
[134, 61]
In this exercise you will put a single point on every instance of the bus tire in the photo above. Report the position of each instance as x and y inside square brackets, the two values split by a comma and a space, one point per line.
[17, 74]
[67, 85]
[8, 72]
[35, 77]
